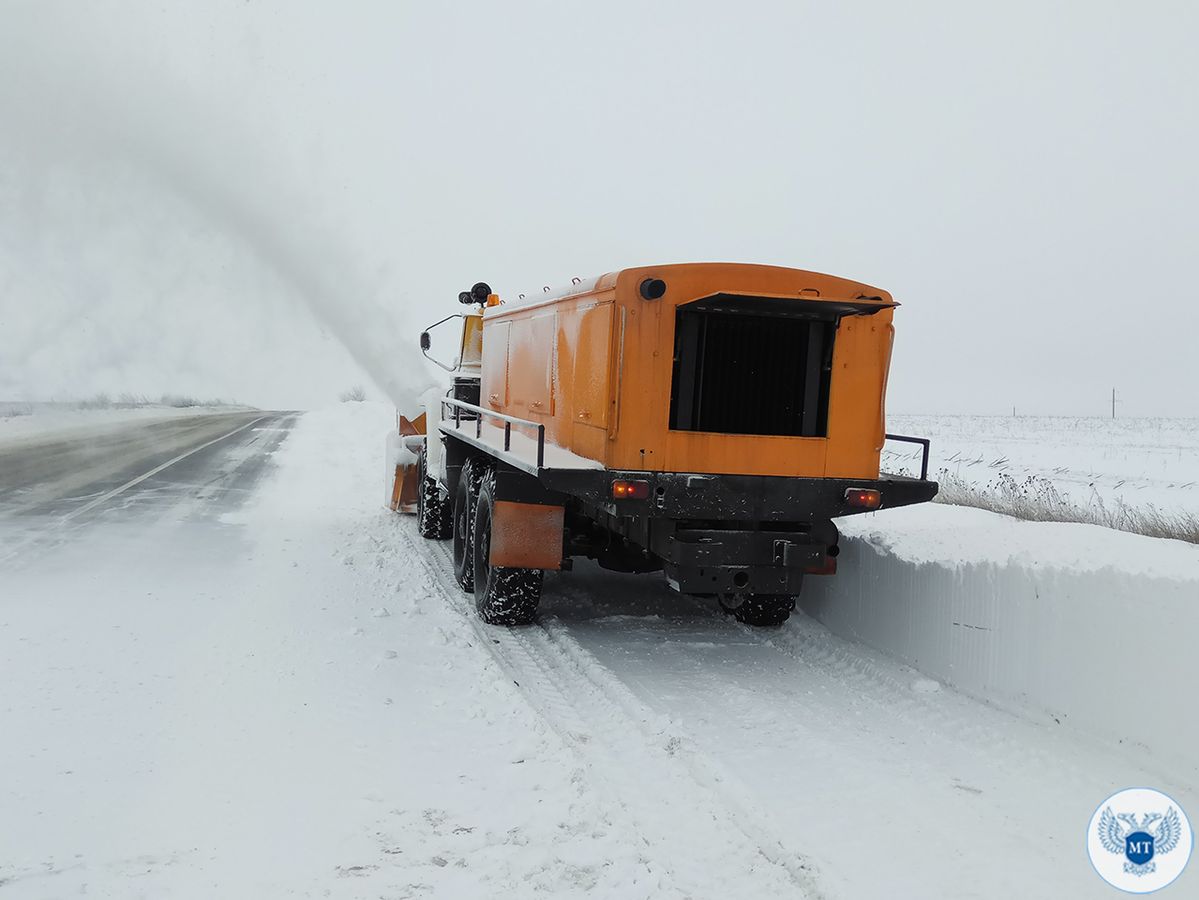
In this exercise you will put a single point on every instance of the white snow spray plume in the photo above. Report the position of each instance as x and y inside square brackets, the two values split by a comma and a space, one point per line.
[195, 153]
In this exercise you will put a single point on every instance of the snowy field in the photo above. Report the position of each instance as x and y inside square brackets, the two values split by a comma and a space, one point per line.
[1139, 461]
[247, 679]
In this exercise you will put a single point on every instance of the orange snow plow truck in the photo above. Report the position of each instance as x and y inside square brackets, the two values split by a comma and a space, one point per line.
[704, 420]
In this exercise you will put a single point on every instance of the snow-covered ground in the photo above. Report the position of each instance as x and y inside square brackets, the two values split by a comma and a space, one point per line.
[1142, 461]
[277, 691]
[1027, 615]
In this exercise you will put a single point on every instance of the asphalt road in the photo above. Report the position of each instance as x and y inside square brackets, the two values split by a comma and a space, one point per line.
[195, 467]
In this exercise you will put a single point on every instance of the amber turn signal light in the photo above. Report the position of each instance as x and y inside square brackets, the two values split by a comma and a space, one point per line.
[630, 490]
[864, 498]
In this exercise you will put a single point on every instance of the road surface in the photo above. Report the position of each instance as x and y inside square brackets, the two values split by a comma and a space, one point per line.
[229, 671]
[54, 486]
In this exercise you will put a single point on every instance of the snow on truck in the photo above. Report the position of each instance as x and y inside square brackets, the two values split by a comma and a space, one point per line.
[704, 420]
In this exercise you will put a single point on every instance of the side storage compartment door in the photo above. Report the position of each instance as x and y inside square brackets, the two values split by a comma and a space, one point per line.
[531, 366]
[494, 381]
[584, 371]
[591, 398]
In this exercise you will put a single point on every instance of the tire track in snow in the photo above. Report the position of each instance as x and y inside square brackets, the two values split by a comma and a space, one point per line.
[893, 686]
[856, 724]
[752, 820]
[889, 686]
[680, 803]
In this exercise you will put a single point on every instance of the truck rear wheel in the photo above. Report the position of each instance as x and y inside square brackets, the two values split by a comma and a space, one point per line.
[463, 524]
[432, 505]
[761, 609]
[503, 595]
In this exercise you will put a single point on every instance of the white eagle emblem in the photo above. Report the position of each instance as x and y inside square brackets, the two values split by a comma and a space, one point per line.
[1122, 833]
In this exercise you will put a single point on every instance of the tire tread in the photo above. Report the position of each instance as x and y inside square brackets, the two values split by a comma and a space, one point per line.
[506, 595]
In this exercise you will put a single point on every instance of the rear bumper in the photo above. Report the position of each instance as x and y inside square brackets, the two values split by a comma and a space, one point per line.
[718, 561]
[733, 498]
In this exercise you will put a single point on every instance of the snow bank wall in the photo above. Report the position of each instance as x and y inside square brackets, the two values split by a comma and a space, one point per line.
[1094, 629]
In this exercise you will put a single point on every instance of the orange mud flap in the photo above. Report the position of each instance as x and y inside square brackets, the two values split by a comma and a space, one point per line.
[404, 478]
[526, 535]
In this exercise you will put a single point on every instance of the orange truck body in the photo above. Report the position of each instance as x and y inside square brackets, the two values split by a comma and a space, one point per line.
[596, 368]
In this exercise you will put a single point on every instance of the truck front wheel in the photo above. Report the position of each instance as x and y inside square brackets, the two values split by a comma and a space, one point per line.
[432, 505]
[760, 609]
[503, 595]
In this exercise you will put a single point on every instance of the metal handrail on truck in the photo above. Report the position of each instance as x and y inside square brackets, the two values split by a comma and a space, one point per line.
[923, 442]
[460, 405]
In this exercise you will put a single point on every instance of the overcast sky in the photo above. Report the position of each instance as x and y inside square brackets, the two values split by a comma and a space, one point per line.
[266, 199]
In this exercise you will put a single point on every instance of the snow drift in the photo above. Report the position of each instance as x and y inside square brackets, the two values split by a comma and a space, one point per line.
[1073, 623]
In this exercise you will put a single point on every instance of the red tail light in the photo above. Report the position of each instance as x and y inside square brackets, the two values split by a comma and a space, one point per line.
[630, 490]
[828, 567]
[864, 498]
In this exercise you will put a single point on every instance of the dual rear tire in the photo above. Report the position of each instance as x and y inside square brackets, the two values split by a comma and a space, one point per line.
[465, 498]
[503, 595]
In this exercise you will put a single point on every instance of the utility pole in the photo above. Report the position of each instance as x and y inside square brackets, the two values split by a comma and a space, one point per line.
[1113, 403]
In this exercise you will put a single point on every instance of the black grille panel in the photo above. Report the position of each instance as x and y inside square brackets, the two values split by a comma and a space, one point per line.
[742, 371]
